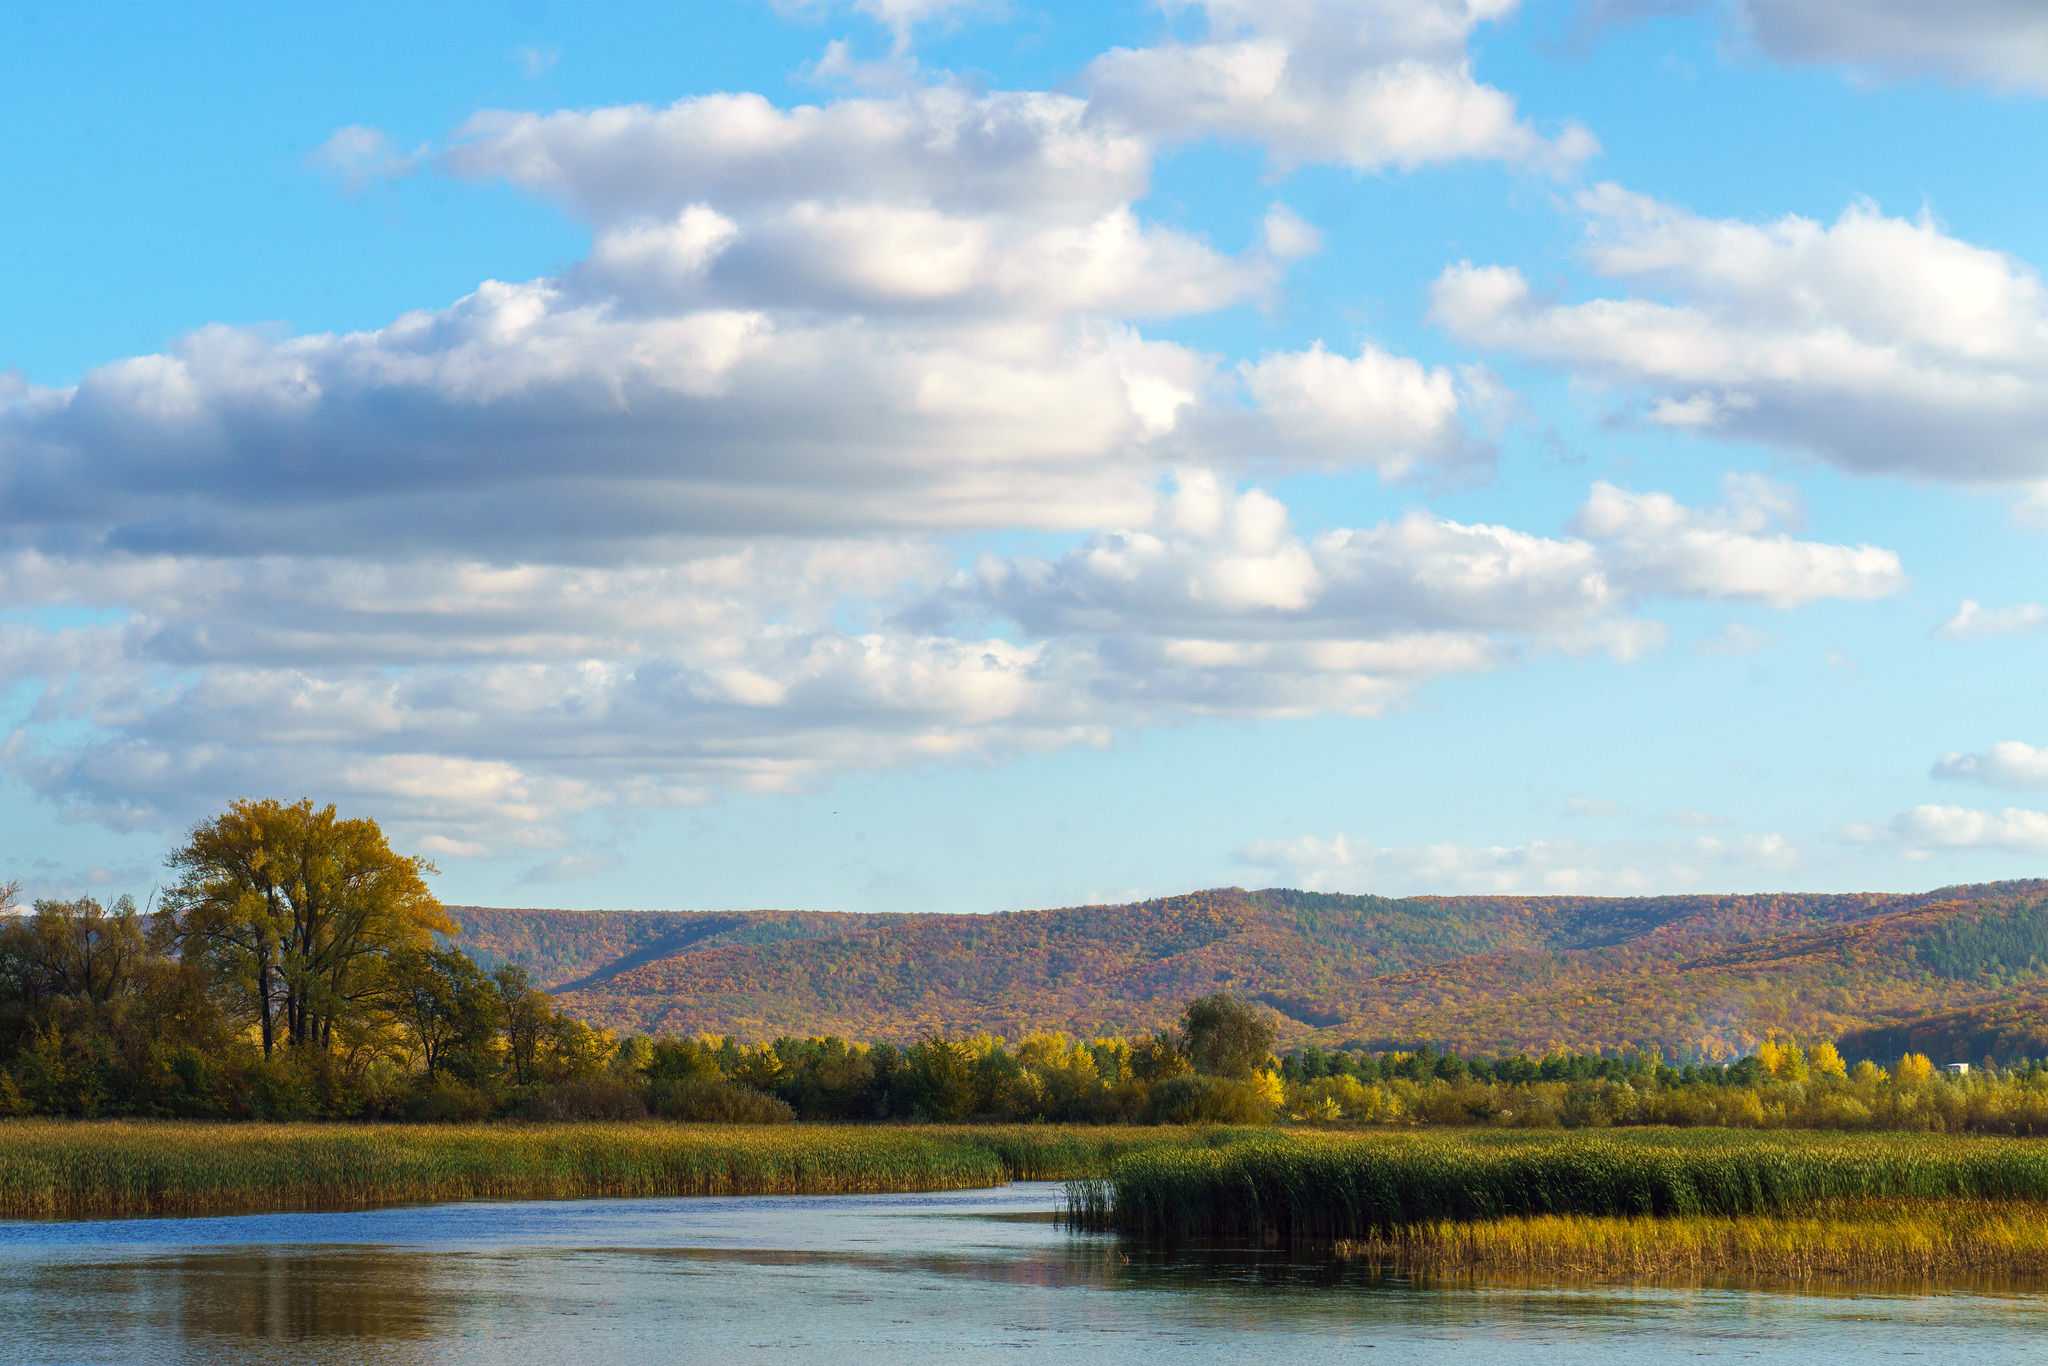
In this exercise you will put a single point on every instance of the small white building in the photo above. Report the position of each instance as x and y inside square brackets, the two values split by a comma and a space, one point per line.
[1959, 1069]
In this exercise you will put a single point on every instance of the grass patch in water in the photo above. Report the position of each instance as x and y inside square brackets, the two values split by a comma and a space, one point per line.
[1318, 1188]
[1858, 1240]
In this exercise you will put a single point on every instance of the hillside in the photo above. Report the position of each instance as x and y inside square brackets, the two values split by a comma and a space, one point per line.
[1696, 976]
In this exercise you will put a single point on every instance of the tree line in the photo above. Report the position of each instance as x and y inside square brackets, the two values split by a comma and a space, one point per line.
[294, 968]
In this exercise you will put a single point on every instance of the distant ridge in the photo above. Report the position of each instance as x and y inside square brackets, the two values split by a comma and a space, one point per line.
[1694, 976]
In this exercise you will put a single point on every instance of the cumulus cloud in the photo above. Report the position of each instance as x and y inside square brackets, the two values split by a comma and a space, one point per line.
[1219, 599]
[1880, 345]
[907, 314]
[1974, 621]
[1362, 83]
[2008, 764]
[1730, 553]
[1345, 863]
[1928, 830]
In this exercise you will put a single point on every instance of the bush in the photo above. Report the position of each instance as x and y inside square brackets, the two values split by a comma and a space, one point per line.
[587, 1098]
[716, 1102]
[449, 1102]
[1198, 1099]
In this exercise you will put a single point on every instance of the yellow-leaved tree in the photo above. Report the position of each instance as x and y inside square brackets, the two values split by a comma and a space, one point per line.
[1826, 1061]
[296, 908]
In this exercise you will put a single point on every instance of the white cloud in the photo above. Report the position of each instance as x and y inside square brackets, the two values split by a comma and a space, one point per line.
[907, 314]
[358, 157]
[571, 867]
[1363, 83]
[1542, 866]
[1973, 621]
[1599, 808]
[1661, 546]
[1928, 830]
[1999, 43]
[2008, 764]
[671, 523]
[1877, 344]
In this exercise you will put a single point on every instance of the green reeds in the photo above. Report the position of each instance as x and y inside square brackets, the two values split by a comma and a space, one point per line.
[1860, 1240]
[1322, 1189]
[55, 1167]
[86, 1167]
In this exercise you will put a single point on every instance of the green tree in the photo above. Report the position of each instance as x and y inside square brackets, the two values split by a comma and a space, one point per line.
[1223, 1036]
[295, 906]
[452, 1009]
[529, 1016]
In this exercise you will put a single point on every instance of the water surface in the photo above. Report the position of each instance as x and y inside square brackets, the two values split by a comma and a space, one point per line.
[897, 1279]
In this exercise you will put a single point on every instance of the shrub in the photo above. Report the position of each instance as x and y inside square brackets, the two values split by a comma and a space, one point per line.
[716, 1102]
[1196, 1099]
[448, 1102]
[585, 1098]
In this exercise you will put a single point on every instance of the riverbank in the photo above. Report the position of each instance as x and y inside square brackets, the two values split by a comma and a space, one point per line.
[77, 1168]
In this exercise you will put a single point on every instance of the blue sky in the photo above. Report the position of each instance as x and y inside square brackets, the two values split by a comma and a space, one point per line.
[957, 456]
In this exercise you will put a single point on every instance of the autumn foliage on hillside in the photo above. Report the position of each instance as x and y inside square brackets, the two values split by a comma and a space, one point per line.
[1702, 977]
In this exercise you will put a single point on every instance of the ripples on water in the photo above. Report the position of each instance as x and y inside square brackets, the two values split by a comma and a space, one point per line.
[897, 1279]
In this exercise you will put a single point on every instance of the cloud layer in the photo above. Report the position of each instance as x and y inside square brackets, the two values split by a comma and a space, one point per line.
[686, 517]
[1556, 867]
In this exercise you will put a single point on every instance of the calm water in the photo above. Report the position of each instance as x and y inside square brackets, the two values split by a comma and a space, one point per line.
[979, 1276]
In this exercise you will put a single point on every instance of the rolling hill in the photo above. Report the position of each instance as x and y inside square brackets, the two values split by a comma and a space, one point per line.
[1695, 976]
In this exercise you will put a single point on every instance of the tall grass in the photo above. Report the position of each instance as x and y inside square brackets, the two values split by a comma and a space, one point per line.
[1051, 1152]
[54, 1167]
[85, 1167]
[1861, 1239]
[1324, 1189]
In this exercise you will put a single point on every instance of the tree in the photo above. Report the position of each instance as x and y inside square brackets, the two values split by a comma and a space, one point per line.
[87, 960]
[1223, 1036]
[529, 1015]
[451, 1007]
[295, 905]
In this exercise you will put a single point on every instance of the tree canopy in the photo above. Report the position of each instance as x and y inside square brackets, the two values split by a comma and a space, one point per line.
[297, 908]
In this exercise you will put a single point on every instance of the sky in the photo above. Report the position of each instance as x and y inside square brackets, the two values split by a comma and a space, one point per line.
[965, 455]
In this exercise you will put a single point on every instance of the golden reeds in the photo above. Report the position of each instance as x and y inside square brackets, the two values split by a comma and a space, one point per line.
[1856, 1240]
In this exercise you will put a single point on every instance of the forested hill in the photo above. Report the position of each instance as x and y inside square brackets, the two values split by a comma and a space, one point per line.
[1692, 975]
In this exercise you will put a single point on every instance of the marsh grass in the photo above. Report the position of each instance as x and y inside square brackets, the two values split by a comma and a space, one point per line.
[1323, 1189]
[71, 1168]
[1853, 1240]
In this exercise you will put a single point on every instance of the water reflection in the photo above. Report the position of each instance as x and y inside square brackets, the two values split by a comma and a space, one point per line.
[900, 1280]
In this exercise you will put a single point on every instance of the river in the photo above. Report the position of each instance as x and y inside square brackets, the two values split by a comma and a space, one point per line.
[892, 1280]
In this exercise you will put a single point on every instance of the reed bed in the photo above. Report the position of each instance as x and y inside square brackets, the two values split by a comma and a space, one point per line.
[74, 1168]
[1321, 1189]
[1048, 1152]
[1861, 1240]
[85, 1167]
